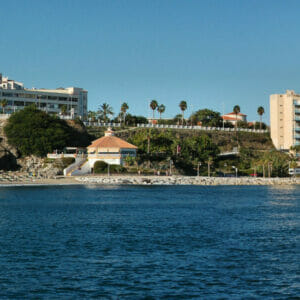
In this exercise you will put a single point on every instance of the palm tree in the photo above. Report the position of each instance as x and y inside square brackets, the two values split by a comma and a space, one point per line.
[63, 109]
[153, 105]
[260, 111]
[92, 115]
[236, 110]
[3, 104]
[161, 109]
[124, 108]
[183, 107]
[104, 111]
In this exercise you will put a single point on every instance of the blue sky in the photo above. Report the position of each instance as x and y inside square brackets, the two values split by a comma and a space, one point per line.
[213, 54]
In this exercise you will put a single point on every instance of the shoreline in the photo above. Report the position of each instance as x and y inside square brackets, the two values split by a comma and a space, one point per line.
[152, 180]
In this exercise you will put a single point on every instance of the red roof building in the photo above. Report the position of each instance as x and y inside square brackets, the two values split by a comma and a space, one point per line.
[110, 149]
[233, 118]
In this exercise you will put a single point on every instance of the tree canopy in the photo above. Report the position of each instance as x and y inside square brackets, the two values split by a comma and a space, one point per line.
[207, 117]
[33, 131]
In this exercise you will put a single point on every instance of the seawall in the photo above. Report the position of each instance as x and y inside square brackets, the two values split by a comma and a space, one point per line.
[184, 180]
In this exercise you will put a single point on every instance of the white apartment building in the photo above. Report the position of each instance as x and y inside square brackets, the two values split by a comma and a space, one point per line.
[51, 101]
[285, 120]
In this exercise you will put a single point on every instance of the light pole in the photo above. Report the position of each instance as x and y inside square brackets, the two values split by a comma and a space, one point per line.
[198, 168]
[108, 173]
[269, 169]
[236, 170]
[208, 168]
[225, 166]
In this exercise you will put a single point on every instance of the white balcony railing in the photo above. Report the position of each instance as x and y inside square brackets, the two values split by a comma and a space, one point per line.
[104, 155]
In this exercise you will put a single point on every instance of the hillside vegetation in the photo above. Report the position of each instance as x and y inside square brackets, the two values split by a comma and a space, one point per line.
[33, 132]
[188, 149]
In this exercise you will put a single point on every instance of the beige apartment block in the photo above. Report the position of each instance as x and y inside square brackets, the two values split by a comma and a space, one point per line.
[285, 120]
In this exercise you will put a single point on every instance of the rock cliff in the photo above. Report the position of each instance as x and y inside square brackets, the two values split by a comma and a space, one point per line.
[8, 154]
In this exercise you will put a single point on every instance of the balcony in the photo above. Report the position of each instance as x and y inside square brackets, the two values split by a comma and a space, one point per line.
[297, 110]
[104, 155]
[297, 118]
[297, 136]
[297, 128]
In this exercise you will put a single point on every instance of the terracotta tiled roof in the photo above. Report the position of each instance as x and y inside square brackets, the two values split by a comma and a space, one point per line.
[233, 113]
[229, 118]
[111, 142]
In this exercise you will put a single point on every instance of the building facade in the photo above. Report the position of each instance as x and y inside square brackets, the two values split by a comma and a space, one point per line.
[285, 120]
[73, 99]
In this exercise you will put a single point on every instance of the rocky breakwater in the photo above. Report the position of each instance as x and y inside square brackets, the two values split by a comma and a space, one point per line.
[184, 180]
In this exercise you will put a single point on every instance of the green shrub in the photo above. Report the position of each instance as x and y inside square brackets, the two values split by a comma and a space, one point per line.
[48, 160]
[67, 161]
[117, 169]
[100, 167]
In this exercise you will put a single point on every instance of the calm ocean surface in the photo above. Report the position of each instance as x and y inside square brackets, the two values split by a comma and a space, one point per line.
[149, 242]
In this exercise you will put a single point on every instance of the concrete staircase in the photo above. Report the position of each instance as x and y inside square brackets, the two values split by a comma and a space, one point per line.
[83, 169]
[79, 161]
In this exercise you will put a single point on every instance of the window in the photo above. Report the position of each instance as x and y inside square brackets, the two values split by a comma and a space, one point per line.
[7, 95]
[31, 96]
[41, 96]
[19, 103]
[52, 97]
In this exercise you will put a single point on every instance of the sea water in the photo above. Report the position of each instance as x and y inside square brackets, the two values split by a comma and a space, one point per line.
[162, 242]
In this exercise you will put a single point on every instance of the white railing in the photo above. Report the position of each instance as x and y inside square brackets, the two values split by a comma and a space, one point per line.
[196, 127]
[98, 124]
[106, 155]
[206, 128]
[61, 155]
[229, 153]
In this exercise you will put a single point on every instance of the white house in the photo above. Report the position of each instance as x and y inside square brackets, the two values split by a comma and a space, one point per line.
[232, 117]
[110, 149]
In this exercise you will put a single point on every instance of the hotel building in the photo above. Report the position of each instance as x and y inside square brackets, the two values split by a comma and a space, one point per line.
[285, 120]
[51, 101]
